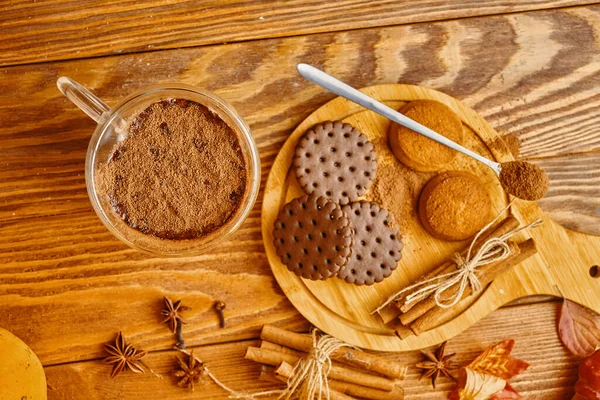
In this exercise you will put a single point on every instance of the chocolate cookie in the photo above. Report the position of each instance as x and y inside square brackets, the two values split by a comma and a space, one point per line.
[335, 160]
[377, 247]
[454, 206]
[313, 237]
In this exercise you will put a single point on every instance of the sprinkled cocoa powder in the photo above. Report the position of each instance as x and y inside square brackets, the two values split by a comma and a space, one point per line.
[513, 143]
[396, 187]
[180, 174]
[524, 180]
[509, 140]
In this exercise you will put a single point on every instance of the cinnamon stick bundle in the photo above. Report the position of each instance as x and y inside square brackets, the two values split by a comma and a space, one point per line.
[349, 374]
[275, 358]
[356, 358]
[420, 308]
[519, 253]
[285, 370]
[394, 310]
[500, 229]
[427, 315]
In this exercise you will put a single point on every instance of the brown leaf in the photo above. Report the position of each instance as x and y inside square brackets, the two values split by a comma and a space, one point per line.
[496, 361]
[579, 329]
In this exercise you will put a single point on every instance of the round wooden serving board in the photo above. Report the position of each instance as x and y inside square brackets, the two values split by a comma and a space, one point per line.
[344, 310]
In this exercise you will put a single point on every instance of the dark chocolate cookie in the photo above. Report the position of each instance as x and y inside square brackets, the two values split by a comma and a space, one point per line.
[377, 247]
[313, 237]
[335, 160]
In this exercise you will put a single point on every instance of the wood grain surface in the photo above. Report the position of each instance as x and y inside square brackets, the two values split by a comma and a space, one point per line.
[552, 373]
[67, 286]
[63, 274]
[57, 30]
[574, 197]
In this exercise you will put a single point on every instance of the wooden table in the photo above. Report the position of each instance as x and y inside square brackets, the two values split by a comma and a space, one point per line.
[67, 285]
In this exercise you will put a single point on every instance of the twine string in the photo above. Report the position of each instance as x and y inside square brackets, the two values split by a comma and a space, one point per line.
[467, 270]
[233, 394]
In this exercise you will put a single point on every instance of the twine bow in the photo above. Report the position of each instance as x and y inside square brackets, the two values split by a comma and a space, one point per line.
[466, 273]
[309, 377]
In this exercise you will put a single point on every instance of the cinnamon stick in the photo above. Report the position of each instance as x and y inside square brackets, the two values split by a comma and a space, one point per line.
[435, 315]
[264, 344]
[508, 224]
[389, 313]
[275, 358]
[356, 358]
[402, 331]
[267, 374]
[285, 370]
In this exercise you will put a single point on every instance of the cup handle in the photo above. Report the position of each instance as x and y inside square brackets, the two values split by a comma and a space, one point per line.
[83, 98]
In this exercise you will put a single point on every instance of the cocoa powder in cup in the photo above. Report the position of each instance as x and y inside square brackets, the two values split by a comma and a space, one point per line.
[180, 173]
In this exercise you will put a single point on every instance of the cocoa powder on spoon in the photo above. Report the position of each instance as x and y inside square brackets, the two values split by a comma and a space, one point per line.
[524, 180]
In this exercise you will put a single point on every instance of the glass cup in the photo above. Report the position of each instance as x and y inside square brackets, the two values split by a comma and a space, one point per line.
[113, 128]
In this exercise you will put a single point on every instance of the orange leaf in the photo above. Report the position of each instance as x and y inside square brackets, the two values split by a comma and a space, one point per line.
[496, 361]
[579, 328]
[486, 377]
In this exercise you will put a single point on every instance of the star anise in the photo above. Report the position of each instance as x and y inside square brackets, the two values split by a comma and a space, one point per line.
[124, 356]
[437, 364]
[190, 372]
[172, 314]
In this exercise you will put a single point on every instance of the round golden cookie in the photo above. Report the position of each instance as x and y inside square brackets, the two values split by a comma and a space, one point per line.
[415, 150]
[454, 206]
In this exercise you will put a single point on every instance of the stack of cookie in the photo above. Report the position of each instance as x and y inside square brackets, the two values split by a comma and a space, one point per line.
[328, 232]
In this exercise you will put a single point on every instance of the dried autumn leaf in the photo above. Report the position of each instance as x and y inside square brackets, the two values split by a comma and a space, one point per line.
[588, 385]
[474, 385]
[579, 329]
[496, 361]
[476, 381]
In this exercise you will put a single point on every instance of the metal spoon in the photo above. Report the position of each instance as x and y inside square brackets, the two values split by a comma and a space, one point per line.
[342, 89]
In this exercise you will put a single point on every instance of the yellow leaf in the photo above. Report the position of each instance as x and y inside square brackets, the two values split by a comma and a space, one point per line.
[479, 386]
